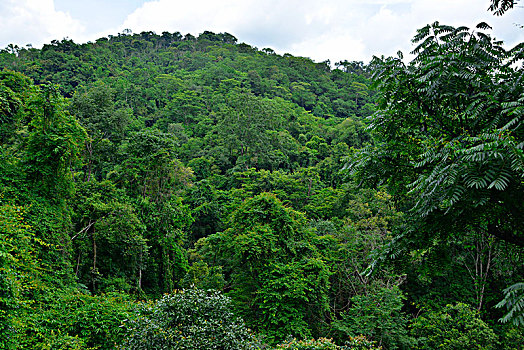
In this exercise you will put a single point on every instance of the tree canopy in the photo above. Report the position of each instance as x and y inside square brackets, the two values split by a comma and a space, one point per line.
[450, 142]
[178, 192]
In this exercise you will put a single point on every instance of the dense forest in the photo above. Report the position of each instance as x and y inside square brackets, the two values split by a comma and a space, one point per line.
[162, 191]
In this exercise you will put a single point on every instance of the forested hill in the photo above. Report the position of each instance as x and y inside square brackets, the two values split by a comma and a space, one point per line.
[142, 164]
[188, 87]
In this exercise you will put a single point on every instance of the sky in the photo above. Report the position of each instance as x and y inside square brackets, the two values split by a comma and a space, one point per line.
[334, 30]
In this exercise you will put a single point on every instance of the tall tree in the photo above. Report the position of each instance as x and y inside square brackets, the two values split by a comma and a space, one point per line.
[449, 133]
[278, 278]
[54, 142]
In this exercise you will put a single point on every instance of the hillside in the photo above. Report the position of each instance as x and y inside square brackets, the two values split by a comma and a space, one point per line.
[143, 164]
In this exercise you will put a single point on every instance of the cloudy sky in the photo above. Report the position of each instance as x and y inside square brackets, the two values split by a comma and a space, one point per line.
[319, 29]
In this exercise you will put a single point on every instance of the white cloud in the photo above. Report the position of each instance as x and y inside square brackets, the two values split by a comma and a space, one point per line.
[300, 27]
[334, 47]
[391, 30]
[35, 22]
[319, 29]
[241, 17]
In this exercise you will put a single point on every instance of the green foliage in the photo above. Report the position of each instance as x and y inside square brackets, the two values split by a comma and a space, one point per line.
[320, 344]
[155, 179]
[244, 123]
[106, 124]
[188, 319]
[449, 130]
[453, 327]
[53, 144]
[514, 303]
[377, 316]
[13, 91]
[72, 320]
[191, 140]
[512, 339]
[279, 280]
[19, 275]
[448, 146]
[291, 297]
[116, 209]
[109, 240]
[367, 227]
[360, 343]
[202, 276]
[96, 110]
[354, 343]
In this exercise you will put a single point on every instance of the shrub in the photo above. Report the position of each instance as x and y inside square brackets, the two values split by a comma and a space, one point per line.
[360, 343]
[188, 319]
[513, 338]
[72, 320]
[319, 344]
[454, 327]
[378, 316]
[354, 343]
